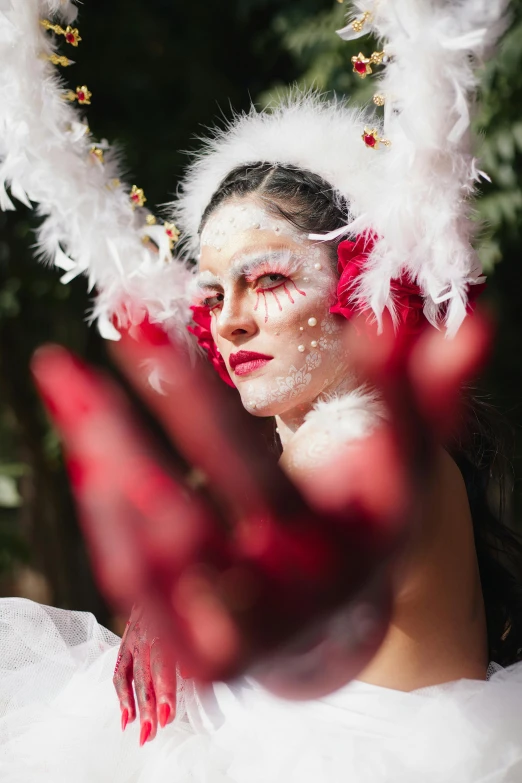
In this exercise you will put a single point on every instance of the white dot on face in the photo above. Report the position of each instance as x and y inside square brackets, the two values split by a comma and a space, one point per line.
[318, 266]
[301, 328]
[306, 279]
[314, 343]
[301, 348]
[312, 321]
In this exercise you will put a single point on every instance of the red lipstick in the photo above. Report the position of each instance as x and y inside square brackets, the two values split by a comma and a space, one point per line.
[245, 362]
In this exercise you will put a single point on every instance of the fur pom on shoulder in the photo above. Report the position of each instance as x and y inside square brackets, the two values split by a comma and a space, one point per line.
[348, 417]
[332, 425]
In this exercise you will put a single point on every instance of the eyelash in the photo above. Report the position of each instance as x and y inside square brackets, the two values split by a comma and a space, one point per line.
[252, 278]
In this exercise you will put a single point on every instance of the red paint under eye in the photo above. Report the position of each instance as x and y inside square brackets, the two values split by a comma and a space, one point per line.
[284, 285]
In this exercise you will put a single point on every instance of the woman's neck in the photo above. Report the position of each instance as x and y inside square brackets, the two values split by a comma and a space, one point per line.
[290, 421]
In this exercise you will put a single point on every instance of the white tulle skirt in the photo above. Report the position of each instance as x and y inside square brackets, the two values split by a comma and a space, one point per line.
[60, 722]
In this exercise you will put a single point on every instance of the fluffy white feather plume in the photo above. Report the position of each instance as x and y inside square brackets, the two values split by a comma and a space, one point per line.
[422, 209]
[89, 226]
[413, 194]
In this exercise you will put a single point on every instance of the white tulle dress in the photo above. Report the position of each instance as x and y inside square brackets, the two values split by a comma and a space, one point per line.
[60, 722]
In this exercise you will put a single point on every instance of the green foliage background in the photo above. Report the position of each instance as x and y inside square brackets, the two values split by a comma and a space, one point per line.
[160, 71]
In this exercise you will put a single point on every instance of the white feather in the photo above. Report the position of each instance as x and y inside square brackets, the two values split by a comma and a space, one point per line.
[89, 226]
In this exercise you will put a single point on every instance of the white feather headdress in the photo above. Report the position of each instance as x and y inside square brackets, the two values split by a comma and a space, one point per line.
[414, 194]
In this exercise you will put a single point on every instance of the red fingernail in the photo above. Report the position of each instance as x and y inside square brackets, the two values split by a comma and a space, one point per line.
[145, 732]
[163, 714]
[124, 719]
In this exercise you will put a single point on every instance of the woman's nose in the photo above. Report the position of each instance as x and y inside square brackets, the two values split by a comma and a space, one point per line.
[236, 318]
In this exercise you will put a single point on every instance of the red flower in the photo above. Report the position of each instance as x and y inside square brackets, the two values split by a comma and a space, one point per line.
[352, 258]
[406, 295]
[201, 330]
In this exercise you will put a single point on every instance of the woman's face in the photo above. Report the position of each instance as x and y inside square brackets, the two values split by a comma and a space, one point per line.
[269, 290]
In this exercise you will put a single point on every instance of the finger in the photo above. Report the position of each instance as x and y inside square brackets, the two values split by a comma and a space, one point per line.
[218, 436]
[440, 367]
[381, 358]
[127, 500]
[144, 530]
[145, 694]
[122, 681]
[164, 678]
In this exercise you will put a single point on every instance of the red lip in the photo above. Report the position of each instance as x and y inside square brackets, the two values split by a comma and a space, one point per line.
[248, 357]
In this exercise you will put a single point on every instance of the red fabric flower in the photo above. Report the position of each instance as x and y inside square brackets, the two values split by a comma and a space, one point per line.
[201, 330]
[406, 295]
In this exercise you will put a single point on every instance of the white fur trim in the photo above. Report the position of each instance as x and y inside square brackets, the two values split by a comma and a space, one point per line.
[347, 418]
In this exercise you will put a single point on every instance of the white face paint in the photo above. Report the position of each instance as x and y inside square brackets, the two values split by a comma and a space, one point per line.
[269, 290]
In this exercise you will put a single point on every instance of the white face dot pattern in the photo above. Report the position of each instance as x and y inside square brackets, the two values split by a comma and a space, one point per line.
[269, 290]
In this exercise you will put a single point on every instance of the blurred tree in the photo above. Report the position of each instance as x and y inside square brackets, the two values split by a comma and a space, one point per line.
[159, 73]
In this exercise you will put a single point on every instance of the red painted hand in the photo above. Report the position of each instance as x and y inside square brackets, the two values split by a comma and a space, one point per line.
[245, 573]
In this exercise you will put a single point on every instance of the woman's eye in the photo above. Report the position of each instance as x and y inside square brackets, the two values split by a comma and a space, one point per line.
[213, 301]
[270, 281]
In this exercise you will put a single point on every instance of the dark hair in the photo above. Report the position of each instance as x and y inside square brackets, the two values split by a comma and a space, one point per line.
[309, 203]
[304, 199]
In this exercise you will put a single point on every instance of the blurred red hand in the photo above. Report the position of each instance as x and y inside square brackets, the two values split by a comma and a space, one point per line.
[247, 574]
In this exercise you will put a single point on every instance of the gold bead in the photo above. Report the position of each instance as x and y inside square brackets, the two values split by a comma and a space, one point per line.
[358, 24]
[57, 59]
[151, 220]
[98, 153]
[379, 100]
[376, 58]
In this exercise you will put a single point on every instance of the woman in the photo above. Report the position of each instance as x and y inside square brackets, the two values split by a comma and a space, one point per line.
[269, 291]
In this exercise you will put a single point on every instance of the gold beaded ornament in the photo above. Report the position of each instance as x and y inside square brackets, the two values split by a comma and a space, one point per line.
[71, 34]
[372, 139]
[83, 95]
[173, 233]
[358, 24]
[97, 153]
[137, 197]
[57, 59]
[363, 65]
